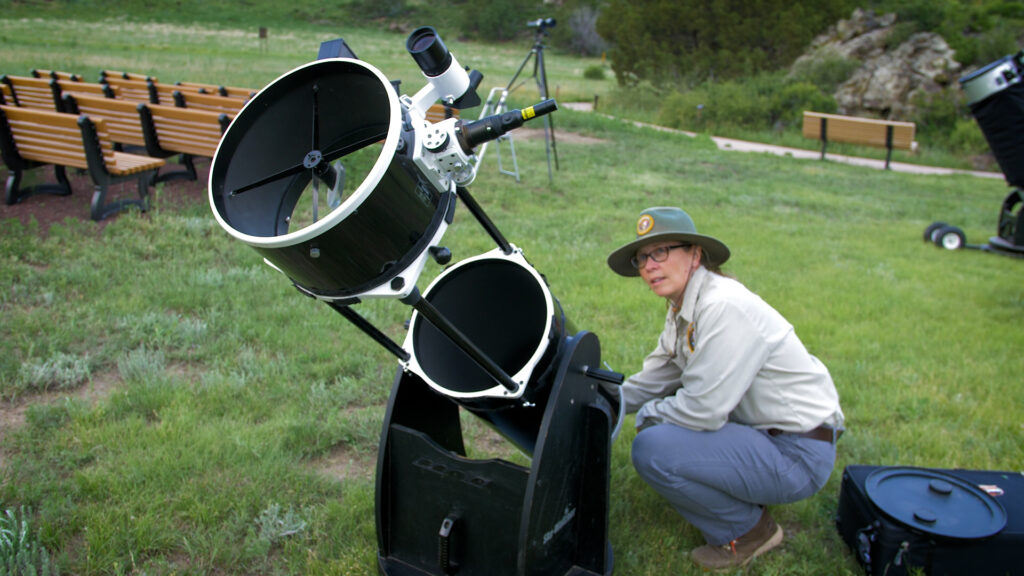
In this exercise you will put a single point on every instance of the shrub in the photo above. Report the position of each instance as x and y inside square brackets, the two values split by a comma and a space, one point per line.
[20, 550]
[967, 138]
[494, 20]
[372, 9]
[826, 70]
[793, 99]
[61, 372]
[594, 72]
[752, 102]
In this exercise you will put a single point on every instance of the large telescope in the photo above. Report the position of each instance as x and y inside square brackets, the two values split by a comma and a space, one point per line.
[343, 186]
[995, 95]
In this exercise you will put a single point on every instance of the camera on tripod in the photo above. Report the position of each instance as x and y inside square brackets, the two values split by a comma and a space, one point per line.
[542, 23]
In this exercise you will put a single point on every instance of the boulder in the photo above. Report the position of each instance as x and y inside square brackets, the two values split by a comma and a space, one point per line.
[889, 78]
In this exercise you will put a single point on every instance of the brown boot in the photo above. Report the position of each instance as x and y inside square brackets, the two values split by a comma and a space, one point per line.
[764, 536]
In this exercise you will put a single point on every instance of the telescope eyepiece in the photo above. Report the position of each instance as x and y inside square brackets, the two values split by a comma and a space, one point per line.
[428, 50]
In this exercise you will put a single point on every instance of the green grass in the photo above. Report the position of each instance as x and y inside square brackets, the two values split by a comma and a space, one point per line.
[209, 406]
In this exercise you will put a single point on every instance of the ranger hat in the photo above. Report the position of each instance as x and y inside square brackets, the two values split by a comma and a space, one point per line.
[660, 224]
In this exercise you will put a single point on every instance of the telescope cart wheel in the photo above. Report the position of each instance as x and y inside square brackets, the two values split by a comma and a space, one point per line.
[950, 238]
[929, 232]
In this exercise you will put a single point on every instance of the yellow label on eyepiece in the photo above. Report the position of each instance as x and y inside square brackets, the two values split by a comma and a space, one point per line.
[528, 113]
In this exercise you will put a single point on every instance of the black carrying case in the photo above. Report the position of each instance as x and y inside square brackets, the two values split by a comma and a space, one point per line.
[886, 546]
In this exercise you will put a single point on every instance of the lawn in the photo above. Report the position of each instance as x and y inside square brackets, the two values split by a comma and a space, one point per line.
[173, 406]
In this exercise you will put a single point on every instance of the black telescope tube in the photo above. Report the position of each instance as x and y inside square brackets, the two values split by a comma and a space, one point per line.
[472, 134]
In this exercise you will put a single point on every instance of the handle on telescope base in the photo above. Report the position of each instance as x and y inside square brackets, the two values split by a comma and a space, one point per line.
[604, 375]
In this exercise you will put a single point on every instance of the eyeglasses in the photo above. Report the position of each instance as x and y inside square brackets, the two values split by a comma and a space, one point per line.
[658, 255]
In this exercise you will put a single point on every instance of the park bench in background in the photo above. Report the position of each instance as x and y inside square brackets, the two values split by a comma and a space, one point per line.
[35, 138]
[164, 93]
[439, 112]
[226, 91]
[208, 102]
[56, 75]
[45, 93]
[92, 88]
[117, 74]
[131, 88]
[5, 94]
[124, 127]
[171, 130]
[132, 124]
[886, 134]
[29, 92]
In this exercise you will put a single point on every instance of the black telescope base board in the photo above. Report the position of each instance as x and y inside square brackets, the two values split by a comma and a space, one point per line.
[884, 545]
[440, 512]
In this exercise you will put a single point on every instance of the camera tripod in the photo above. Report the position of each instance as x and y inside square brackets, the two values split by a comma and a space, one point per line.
[540, 75]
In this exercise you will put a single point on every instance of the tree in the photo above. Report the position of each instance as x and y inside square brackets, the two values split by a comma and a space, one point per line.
[668, 41]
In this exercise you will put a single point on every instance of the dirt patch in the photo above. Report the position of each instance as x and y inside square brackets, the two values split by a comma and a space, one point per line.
[560, 136]
[344, 463]
[12, 413]
[49, 209]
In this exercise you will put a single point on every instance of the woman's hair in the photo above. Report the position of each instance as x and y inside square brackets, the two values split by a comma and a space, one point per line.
[713, 268]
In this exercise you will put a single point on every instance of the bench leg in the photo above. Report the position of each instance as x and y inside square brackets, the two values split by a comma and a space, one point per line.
[100, 209]
[14, 193]
[188, 173]
[888, 145]
[11, 195]
[824, 136]
[62, 180]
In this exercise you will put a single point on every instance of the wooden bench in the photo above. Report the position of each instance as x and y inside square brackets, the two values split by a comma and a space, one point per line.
[208, 102]
[45, 93]
[171, 130]
[5, 94]
[886, 134]
[125, 75]
[128, 126]
[34, 138]
[132, 89]
[165, 92]
[29, 92]
[439, 112]
[91, 88]
[124, 126]
[226, 91]
[55, 75]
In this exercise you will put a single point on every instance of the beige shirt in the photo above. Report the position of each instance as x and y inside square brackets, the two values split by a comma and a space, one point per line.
[729, 356]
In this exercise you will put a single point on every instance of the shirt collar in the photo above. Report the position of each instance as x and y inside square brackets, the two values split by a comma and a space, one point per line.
[692, 293]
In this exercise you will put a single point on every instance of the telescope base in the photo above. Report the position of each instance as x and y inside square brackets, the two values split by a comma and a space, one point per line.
[439, 512]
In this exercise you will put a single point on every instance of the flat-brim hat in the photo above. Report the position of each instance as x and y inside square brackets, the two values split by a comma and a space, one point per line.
[662, 224]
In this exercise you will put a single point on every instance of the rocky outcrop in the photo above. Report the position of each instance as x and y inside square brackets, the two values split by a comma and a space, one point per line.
[890, 77]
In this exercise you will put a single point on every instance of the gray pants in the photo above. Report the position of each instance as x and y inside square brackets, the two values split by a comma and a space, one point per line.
[720, 480]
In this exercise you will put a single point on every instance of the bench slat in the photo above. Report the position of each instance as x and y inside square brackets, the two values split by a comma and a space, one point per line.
[210, 102]
[121, 117]
[867, 131]
[136, 90]
[31, 92]
[196, 132]
[436, 113]
[223, 91]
